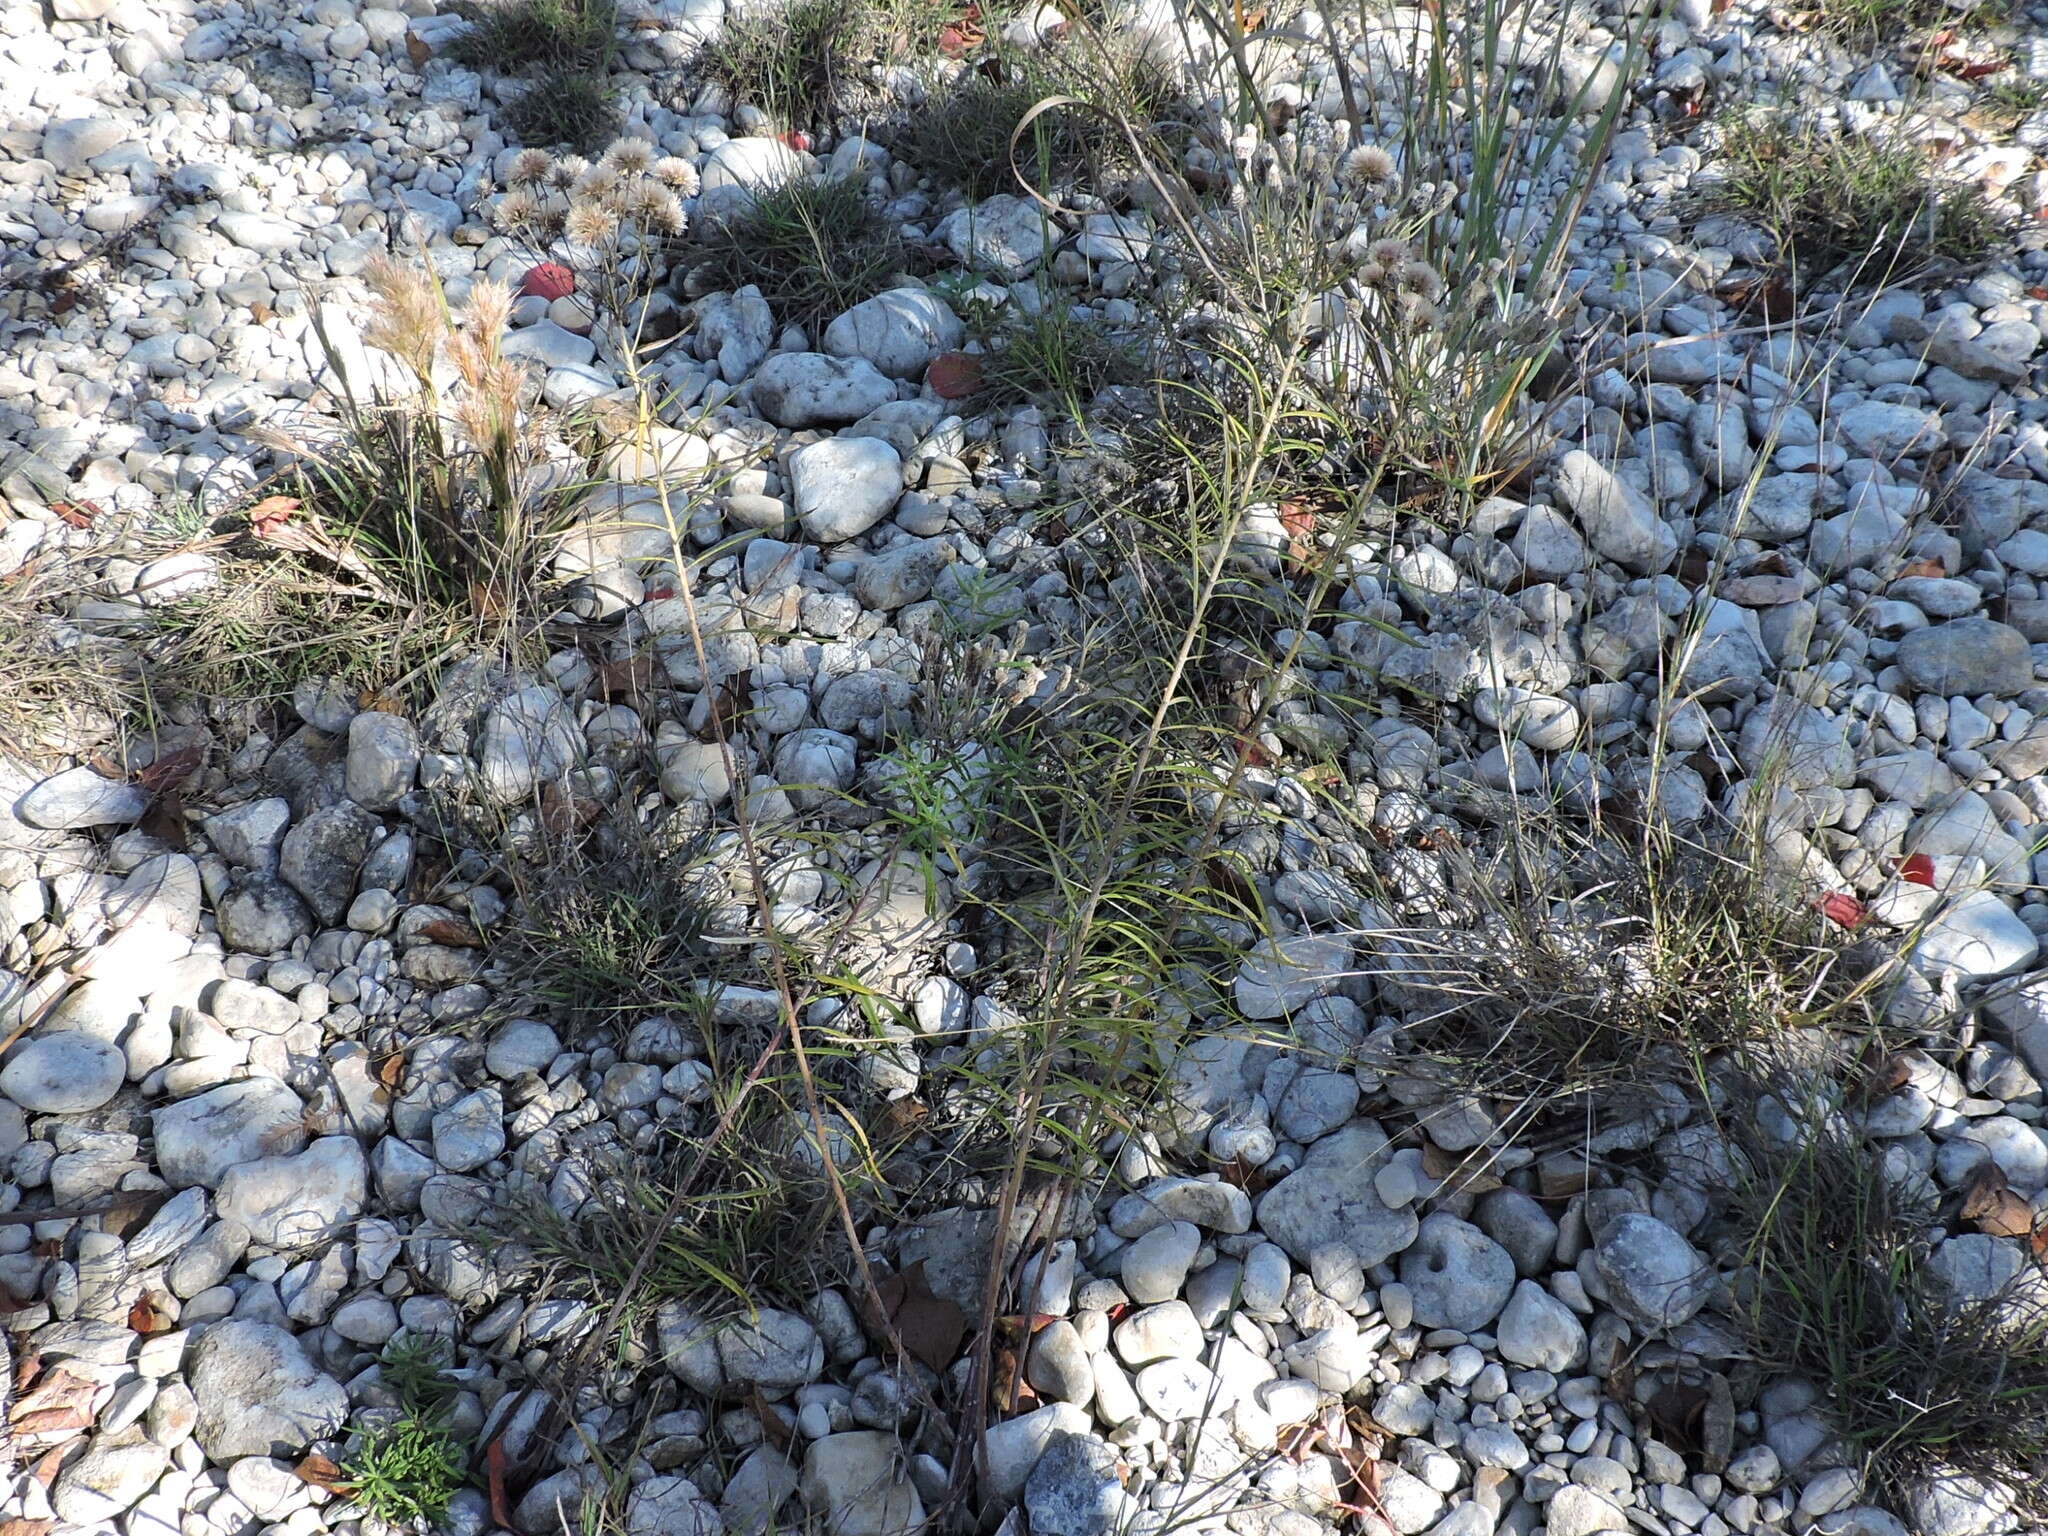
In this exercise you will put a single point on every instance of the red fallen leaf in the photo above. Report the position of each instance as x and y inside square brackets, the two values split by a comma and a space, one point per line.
[146, 1317]
[494, 1474]
[797, 140]
[954, 375]
[550, 280]
[79, 514]
[1918, 870]
[271, 514]
[1843, 909]
[656, 594]
[2037, 292]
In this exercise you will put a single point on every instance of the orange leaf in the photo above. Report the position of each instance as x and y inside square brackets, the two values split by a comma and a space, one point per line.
[494, 1472]
[79, 514]
[391, 1070]
[146, 1317]
[270, 514]
[452, 931]
[321, 1473]
[1921, 568]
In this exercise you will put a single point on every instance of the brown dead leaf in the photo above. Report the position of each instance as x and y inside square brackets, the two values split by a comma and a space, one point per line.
[930, 1327]
[900, 1119]
[146, 1316]
[1457, 1174]
[271, 513]
[21, 1525]
[165, 819]
[494, 1472]
[1921, 568]
[628, 679]
[419, 51]
[390, 1070]
[452, 931]
[79, 514]
[772, 1424]
[1993, 1206]
[321, 1473]
[563, 812]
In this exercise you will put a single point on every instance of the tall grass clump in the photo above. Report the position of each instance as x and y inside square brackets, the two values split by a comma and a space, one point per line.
[1847, 206]
[1840, 1286]
[806, 61]
[813, 248]
[1419, 242]
[562, 51]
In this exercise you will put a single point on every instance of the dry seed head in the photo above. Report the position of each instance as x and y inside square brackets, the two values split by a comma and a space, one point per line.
[1366, 168]
[530, 167]
[490, 311]
[516, 209]
[599, 184]
[567, 170]
[656, 208]
[590, 223]
[674, 171]
[1391, 254]
[1419, 312]
[629, 157]
[1420, 279]
[406, 320]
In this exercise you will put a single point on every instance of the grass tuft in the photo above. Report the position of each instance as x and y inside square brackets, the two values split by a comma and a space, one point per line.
[1616, 954]
[805, 61]
[1842, 205]
[1840, 1289]
[562, 49]
[813, 248]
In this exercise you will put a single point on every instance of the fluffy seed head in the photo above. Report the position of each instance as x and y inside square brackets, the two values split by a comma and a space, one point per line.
[490, 311]
[656, 208]
[530, 167]
[1420, 279]
[674, 171]
[1391, 254]
[1366, 168]
[567, 171]
[516, 209]
[591, 224]
[629, 157]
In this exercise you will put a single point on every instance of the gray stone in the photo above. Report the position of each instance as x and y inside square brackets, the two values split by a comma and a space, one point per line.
[856, 1483]
[528, 738]
[383, 757]
[63, 1074]
[249, 835]
[1654, 1277]
[109, 1478]
[843, 486]
[1879, 430]
[900, 331]
[1006, 236]
[261, 915]
[1967, 656]
[1075, 1490]
[810, 389]
[1539, 1331]
[1013, 1447]
[79, 797]
[258, 1394]
[773, 1350]
[1330, 1200]
[1458, 1276]
[1282, 974]
[1618, 520]
[300, 1198]
[320, 858]
[1156, 1266]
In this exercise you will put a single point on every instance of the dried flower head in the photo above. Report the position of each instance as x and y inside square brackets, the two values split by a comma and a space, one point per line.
[517, 210]
[530, 167]
[656, 209]
[1372, 274]
[1366, 169]
[1421, 279]
[590, 223]
[629, 157]
[1391, 254]
[567, 171]
[1419, 312]
[598, 185]
[676, 172]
